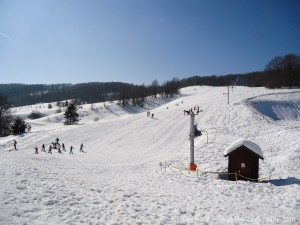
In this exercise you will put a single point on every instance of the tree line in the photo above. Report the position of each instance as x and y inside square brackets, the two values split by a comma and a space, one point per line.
[28, 94]
[281, 71]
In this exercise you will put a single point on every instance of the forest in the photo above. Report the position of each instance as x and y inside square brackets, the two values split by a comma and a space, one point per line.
[281, 71]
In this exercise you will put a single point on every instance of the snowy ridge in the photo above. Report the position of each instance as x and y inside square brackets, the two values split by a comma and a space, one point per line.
[277, 106]
[242, 142]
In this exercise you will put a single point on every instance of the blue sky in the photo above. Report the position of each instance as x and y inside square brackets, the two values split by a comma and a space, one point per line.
[137, 41]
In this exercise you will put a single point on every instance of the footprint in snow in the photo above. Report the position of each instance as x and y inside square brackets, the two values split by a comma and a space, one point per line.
[51, 202]
[21, 188]
[128, 195]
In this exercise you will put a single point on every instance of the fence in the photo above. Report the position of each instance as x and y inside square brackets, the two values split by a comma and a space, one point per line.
[165, 165]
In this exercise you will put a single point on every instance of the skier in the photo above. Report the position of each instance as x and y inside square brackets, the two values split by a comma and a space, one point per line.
[57, 140]
[71, 150]
[50, 149]
[81, 147]
[43, 148]
[58, 147]
[15, 145]
[63, 146]
[36, 150]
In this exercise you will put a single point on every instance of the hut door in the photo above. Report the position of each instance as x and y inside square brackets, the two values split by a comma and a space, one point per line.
[243, 169]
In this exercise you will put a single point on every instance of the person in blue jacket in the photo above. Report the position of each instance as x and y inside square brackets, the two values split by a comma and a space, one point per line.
[43, 148]
[71, 150]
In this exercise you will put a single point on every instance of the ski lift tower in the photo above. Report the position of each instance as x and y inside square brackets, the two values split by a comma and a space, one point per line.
[227, 94]
[193, 166]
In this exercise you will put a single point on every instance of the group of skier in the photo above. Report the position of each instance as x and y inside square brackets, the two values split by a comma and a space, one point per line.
[58, 146]
[150, 114]
[188, 112]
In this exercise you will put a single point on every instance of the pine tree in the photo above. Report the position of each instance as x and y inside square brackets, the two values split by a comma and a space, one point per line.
[5, 116]
[71, 115]
[18, 126]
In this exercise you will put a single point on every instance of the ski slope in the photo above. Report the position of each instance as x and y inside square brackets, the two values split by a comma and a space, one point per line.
[119, 179]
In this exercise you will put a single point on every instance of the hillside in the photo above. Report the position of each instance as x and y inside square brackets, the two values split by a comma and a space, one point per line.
[119, 178]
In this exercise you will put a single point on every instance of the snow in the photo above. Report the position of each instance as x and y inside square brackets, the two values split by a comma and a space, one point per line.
[279, 107]
[242, 142]
[119, 179]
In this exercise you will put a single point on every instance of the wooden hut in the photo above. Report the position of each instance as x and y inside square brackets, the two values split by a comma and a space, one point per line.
[243, 159]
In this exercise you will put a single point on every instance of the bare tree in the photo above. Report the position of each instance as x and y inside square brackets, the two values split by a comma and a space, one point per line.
[122, 94]
[154, 88]
[275, 64]
[287, 68]
[290, 66]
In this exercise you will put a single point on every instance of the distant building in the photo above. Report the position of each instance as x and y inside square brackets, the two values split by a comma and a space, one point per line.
[243, 159]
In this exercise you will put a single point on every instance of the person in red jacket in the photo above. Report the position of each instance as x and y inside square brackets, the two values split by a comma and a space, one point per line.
[63, 146]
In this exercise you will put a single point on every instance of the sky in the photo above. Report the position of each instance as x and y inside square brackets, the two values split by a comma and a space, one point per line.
[138, 41]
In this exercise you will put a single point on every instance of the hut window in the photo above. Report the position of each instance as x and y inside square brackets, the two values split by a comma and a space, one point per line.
[243, 165]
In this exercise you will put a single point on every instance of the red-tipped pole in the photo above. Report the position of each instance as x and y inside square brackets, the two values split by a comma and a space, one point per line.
[193, 166]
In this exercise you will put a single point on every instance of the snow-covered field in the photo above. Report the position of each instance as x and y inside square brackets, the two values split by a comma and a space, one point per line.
[119, 179]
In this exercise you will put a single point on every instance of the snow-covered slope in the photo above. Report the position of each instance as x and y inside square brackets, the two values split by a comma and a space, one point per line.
[119, 179]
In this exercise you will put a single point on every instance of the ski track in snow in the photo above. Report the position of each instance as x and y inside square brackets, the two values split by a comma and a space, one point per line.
[119, 181]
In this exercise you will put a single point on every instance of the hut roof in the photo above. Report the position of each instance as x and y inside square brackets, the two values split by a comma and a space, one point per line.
[248, 144]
